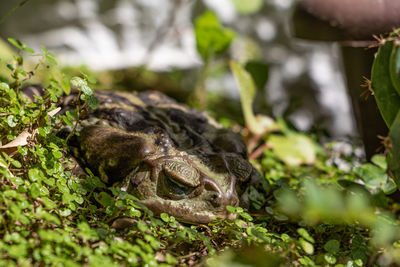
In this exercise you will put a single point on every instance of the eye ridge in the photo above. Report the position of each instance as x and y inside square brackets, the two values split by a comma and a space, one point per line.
[177, 182]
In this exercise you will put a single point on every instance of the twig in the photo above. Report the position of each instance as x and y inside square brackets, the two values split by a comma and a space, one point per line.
[78, 108]
[9, 13]
[258, 151]
[162, 31]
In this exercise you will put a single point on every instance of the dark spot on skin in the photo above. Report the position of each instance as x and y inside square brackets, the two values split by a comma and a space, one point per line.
[155, 98]
[239, 167]
[164, 142]
[111, 97]
[230, 142]
[115, 152]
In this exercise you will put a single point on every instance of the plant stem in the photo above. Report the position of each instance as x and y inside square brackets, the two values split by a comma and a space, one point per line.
[78, 109]
[9, 13]
[200, 92]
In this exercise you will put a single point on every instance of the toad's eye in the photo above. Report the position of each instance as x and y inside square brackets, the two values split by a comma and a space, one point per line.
[171, 188]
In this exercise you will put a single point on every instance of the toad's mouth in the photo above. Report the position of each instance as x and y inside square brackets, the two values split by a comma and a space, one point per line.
[174, 186]
[183, 210]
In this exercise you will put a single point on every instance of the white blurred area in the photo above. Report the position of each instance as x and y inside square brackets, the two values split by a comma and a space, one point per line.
[116, 34]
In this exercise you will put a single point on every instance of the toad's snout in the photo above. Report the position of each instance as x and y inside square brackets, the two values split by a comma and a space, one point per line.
[217, 197]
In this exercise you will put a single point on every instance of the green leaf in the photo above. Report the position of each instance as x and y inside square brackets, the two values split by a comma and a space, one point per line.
[387, 98]
[246, 216]
[211, 37]
[170, 259]
[248, 7]
[17, 251]
[389, 187]
[293, 149]
[359, 262]
[44, 49]
[11, 66]
[11, 121]
[86, 232]
[332, 246]
[303, 232]
[104, 199]
[49, 203]
[373, 176]
[231, 209]
[86, 90]
[16, 163]
[306, 246]
[395, 67]
[259, 72]
[57, 154]
[15, 43]
[28, 49]
[256, 124]
[393, 156]
[93, 102]
[90, 79]
[4, 87]
[35, 174]
[35, 190]
[164, 217]
[50, 58]
[380, 161]
[65, 86]
[21, 71]
[329, 258]
[65, 212]
[82, 85]
[72, 115]
[247, 92]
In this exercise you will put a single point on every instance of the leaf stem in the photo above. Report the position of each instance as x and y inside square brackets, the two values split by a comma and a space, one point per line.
[9, 13]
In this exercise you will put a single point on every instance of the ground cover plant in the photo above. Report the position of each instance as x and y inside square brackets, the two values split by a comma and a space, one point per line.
[314, 205]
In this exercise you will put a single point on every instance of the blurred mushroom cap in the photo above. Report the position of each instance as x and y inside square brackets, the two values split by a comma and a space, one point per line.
[357, 19]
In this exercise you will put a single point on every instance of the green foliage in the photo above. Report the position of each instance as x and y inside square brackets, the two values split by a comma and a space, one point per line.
[248, 7]
[385, 93]
[212, 40]
[258, 125]
[375, 177]
[294, 148]
[315, 215]
[386, 88]
[211, 37]
[48, 216]
[259, 72]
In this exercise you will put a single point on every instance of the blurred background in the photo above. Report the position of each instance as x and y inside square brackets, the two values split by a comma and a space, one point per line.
[298, 80]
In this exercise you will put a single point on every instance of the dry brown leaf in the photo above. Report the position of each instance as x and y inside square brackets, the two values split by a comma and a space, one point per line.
[20, 140]
[54, 112]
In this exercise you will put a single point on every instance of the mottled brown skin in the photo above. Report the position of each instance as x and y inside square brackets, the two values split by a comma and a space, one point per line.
[173, 158]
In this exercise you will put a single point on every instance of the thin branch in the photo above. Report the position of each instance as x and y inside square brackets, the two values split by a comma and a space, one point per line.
[162, 31]
[9, 13]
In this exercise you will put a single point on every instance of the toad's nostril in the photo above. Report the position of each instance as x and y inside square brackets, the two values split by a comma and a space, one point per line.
[215, 200]
[233, 201]
[216, 196]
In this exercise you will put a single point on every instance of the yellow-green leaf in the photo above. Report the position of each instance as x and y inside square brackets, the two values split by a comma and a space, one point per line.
[293, 149]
